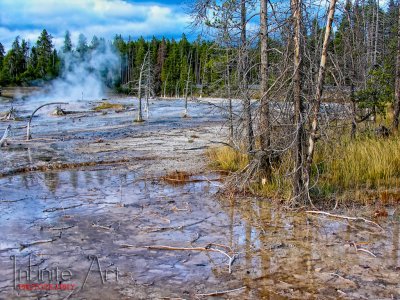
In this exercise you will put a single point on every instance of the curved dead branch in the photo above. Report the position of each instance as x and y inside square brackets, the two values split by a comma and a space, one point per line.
[28, 129]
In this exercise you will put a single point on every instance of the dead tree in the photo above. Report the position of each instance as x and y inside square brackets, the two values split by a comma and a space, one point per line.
[264, 101]
[149, 87]
[298, 146]
[229, 95]
[28, 127]
[3, 140]
[185, 114]
[318, 94]
[396, 112]
[165, 85]
[139, 117]
[243, 71]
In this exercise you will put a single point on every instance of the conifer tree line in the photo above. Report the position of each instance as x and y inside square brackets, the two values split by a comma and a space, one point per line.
[24, 63]
[172, 62]
[362, 53]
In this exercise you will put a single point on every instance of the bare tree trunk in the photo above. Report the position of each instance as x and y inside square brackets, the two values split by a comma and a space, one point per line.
[165, 85]
[265, 133]
[228, 84]
[139, 114]
[148, 83]
[376, 32]
[396, 112]
[244, 78]
[187, 85]
[298, 149]
[318, 94]
[353, 112]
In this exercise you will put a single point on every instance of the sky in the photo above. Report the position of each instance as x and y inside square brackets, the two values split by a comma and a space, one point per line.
[103, 18]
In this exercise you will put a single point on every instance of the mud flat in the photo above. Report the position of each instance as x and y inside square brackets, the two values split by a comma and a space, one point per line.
[91, 192]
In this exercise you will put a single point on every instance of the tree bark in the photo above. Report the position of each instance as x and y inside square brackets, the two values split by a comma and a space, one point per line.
[265, 133]
[298, 149]
[318, 94]
[244, 78]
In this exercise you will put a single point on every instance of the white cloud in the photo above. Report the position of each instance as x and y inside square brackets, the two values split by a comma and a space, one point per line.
[103, 18]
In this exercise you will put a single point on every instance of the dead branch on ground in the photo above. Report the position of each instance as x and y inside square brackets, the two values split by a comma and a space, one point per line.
[211, 247]
[344, 217]
[219, 293]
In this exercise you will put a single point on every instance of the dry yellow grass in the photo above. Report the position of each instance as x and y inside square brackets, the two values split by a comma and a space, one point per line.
[348, 168]
[362, 163]
[107, 105]
[227, 159]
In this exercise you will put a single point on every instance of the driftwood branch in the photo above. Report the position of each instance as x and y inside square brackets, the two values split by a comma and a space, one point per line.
[358, 248]
[219, 293]
[344, 217]
[28, 128]
[23, 246]
[208, 248]
[53, 209]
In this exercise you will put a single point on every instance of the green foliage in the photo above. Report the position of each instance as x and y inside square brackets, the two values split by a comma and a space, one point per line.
[379, 91]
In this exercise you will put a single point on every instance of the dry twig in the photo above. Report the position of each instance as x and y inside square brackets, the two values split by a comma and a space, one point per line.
[344, 217]
[208, 248]
[219, 293]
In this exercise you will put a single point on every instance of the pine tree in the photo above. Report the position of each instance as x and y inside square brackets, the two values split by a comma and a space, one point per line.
[67, 47]
[44, 47]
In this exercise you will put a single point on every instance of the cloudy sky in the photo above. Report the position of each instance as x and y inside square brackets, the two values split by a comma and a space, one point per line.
[104, 18]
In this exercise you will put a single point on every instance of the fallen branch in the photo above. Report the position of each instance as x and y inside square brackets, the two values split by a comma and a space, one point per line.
[174, 228]
[344, 217]
[11, 201]
[207, 248]
[101, 226]
[218, 293]
[23, 246]
[127, 246]
[361, 249]
[53, 209]
[62, 228]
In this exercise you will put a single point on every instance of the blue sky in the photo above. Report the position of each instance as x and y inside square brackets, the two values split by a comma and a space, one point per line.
[104, 18]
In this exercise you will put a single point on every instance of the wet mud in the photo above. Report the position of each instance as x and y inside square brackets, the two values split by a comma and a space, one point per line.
[110, 209]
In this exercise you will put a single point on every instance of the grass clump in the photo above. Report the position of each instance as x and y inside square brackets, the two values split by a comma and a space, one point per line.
[368, 162]
[107, 105]
[364, 169]
[227, 159]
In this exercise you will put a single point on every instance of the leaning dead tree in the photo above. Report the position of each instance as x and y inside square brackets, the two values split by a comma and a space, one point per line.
[3, 140]
[28, 127]
[313, 136]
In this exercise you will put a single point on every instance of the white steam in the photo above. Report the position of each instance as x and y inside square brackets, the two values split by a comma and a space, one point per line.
[83, 76]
